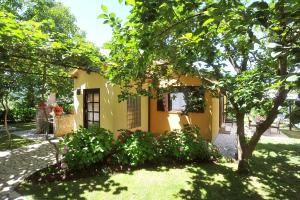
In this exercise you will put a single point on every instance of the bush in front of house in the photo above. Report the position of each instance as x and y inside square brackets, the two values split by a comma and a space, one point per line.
[135, 148]
[85, 147]
[184, 145]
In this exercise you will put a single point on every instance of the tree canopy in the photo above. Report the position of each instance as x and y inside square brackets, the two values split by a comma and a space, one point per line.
[42, 36]
[39, 46]
[258, 40]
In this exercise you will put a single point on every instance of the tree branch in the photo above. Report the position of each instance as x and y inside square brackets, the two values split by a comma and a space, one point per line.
[177, 23]
[272, 114]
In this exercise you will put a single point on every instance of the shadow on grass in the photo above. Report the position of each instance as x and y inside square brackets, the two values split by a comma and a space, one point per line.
[216, 182]
[71, 189]
[278, 166]
[16, 142]
[275, 176]
[275, 168]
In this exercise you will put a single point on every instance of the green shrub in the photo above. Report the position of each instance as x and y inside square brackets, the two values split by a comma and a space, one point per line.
[25, 114]
[135, 148]
[184, 145]
[11, 115]
[85, 147]
[68, 108]
[21, 114]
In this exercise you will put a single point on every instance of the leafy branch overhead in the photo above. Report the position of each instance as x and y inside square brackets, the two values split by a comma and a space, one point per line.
[245, 49]
[24, 42]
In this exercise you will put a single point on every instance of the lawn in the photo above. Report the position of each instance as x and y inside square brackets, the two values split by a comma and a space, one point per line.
[20, 126]
[276, 176]
[17, 142]
[291, 134]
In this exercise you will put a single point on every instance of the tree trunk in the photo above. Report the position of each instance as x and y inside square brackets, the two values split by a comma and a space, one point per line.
[6, 128]
[243, 152]
[6, 109]
[55, 146]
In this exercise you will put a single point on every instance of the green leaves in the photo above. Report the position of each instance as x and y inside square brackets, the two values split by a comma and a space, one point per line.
[208, 21]
[28, 46]
[104, 8]
[86, 146]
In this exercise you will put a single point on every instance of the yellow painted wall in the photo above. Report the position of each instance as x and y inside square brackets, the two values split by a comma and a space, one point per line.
[63, 124]
[113, 115]
[161, 121]
[215, 118]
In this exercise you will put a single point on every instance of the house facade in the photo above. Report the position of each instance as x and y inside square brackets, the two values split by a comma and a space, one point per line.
[96, 102]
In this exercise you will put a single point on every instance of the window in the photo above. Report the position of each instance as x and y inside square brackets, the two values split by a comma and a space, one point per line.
[183, 99]
[91, 107]
[163, 102]
[178, 102]
[134, 112]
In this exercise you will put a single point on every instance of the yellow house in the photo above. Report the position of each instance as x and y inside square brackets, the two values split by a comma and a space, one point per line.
[96, 102]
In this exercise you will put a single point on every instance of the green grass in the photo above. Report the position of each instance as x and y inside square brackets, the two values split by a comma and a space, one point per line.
[24, 125]
[276, 175]
[291, 134]
[20, 126]
[17, 142]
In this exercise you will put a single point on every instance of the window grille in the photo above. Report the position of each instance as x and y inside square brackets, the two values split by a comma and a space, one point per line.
[134, 112]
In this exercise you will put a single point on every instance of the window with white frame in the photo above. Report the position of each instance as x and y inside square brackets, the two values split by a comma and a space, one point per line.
[134, 112]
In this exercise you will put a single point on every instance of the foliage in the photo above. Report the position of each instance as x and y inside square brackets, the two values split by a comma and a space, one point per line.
[257, 40]
[135, 148]
[11, 117]
[40, 44]
[295, 113]
[201, 181]
[85, 147]
[184, 145]
[68, 108]
[24, 114]
[195, 100]
[19, 114]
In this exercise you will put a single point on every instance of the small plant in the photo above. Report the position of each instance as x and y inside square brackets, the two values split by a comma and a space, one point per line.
[184, 145]
[85, 147]
[135, 148]
[68, 108]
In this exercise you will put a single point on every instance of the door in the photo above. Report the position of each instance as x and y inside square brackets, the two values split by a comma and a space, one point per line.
[91, 107]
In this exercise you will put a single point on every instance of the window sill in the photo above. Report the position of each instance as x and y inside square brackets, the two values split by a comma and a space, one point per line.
[135, 129]
[175, 112]
[180, 112]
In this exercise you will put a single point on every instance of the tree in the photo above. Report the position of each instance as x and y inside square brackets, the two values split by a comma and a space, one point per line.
[259, 40]
[28, 49]
[7, 85]
[60, 23]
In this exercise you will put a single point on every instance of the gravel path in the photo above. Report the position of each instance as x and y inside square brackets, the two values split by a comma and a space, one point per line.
[16, 164]
[226, 140]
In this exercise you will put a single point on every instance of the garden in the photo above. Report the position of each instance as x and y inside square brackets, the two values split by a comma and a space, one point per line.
[85, 152]
[177, 165]
[246, 52]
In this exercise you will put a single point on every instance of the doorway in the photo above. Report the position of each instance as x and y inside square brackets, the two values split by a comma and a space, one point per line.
[91, 107]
